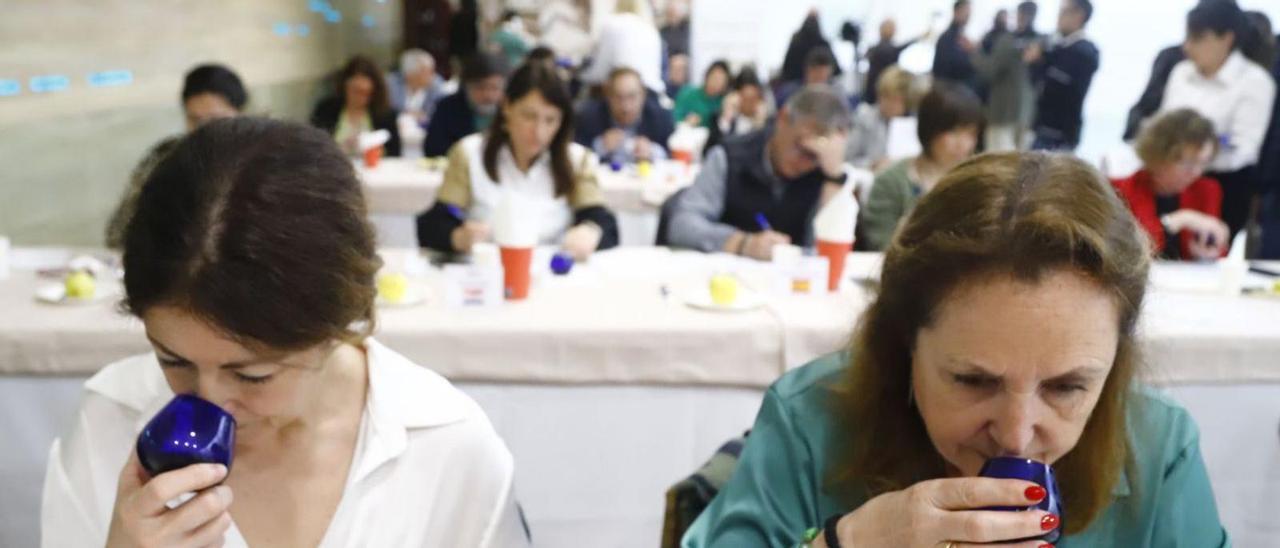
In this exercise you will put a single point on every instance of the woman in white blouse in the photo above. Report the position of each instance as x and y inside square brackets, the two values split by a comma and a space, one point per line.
[1234, 93]
[251, 266]
[527, 152]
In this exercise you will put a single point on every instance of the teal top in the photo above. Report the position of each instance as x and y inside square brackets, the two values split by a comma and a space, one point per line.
[693, 100]
[776, 493]
[893, 195]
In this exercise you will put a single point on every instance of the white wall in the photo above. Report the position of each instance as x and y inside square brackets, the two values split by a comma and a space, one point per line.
[1129, 33]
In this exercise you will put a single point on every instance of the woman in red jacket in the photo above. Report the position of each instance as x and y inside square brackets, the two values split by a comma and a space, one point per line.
[1178, 206]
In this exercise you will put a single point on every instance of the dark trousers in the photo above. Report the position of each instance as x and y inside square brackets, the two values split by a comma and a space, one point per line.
[1269, 219]
[1237, 195]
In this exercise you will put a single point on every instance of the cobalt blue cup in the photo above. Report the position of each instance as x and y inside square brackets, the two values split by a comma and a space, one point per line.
[188, 430]
[561, 264]
[1033, 471]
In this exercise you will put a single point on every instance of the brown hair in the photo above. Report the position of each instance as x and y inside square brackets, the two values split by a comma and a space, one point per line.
[945, 108]
[619, 72]
[359, 65]
[541, 79]
[1164, 138]
[1023, 215]
[259, 228]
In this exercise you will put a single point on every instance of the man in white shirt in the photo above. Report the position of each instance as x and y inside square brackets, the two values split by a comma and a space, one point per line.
[417, 88]
[1235, 94]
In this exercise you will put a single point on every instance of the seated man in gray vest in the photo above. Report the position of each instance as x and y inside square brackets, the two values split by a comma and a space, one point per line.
[763, 188]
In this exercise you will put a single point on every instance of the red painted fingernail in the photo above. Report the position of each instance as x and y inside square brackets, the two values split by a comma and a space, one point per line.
[1049, 522]
[1035, 493]
[1045, 546]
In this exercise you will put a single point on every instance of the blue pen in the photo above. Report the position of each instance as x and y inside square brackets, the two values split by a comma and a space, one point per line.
[456, 212]
[763, 222]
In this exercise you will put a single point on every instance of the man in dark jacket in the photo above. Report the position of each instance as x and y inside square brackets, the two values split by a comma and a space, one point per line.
[471, 108]
[1063, 74]
[628, 125]
[951, 55]
[884, 55]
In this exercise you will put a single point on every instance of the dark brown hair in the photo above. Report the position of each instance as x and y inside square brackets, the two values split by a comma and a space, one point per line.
[1164, 139]
[541, 79]
[359, 65]
[1218, 17]
[259, 228]
[1020, 215]
[945, 108]
[483, 65]
[619, 72]
[218, 80]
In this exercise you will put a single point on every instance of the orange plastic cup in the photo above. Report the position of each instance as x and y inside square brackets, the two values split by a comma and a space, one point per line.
[836, 253]
[682, 155]
[516, 262]
[372, 157]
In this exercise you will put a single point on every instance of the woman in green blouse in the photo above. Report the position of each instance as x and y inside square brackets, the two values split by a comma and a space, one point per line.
[1004, 326]
[948, 123]
[698, 106]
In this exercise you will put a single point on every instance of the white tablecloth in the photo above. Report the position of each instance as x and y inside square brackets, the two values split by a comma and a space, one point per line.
[609, 322]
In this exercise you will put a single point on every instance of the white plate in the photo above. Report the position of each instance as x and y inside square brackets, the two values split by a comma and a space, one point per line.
[414, 295]
[747, 300]
[56, 294]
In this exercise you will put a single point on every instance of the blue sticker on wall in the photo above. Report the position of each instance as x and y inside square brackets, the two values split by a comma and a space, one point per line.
[49, 83]
[110, 78]
[10, 87]
[318, 6]
[368, 21]
[282, 29]
[333, 16]
[303, 30]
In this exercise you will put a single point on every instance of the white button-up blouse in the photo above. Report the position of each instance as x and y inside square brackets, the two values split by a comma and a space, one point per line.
[428, 469]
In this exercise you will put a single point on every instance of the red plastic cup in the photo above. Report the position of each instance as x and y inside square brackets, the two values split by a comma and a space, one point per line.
[372, 157]
[515, 271]
[836, 253]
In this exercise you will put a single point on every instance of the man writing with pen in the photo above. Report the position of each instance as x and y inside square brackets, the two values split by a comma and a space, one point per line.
[762, 189]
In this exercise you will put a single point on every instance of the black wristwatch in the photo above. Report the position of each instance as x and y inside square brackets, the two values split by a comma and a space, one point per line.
[841, 179]
[829, 531]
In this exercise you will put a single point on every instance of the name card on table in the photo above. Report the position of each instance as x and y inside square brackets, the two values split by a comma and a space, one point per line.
[472, 285]
[805, 276]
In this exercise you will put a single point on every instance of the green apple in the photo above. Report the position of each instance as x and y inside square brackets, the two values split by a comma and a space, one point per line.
[80, 285]
[724, 289]
[392, 287]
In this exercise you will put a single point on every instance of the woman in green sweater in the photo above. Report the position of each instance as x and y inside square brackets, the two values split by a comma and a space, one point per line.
[1004, 326]
[697, 106]
[948, 124]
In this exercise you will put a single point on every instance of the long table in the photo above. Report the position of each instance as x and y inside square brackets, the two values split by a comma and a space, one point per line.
[608, 388]
[400, 188]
